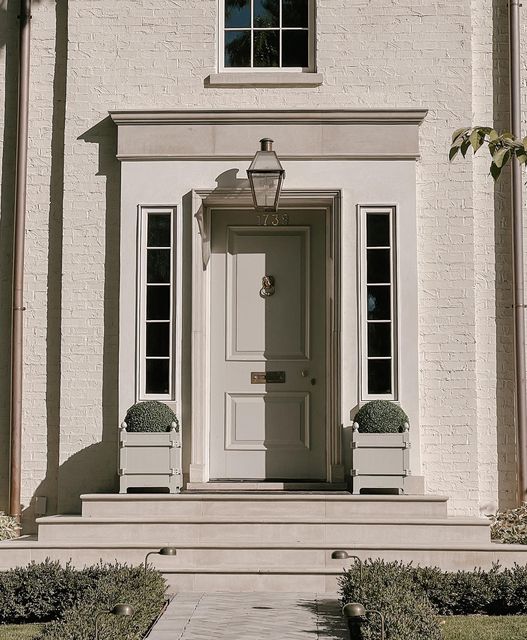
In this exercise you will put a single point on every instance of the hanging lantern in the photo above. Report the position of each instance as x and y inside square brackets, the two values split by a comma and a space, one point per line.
[266, 176]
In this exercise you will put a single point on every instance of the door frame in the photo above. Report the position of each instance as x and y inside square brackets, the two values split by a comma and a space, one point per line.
[203, 201]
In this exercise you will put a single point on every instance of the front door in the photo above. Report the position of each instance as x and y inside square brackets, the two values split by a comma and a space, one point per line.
[268, 345]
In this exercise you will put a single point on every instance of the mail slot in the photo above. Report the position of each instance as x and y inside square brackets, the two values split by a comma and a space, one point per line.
[261, 377]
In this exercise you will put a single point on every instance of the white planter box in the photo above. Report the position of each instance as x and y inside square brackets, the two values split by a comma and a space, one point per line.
[379, 460]
[149, 460]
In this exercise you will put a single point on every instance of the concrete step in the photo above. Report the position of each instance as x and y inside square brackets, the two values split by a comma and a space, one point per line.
[263, 504]
[210, 567]
[285, 529]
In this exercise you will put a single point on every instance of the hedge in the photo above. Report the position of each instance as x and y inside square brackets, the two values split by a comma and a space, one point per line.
[387, 588]
[493, 592]
[144, 590]
[72, 598]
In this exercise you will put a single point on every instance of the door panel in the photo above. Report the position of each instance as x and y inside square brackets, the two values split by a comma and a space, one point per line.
[274, 327]
[255, 422]
[268, 352]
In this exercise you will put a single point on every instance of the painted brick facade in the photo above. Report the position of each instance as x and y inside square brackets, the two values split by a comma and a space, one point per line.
[92, 56]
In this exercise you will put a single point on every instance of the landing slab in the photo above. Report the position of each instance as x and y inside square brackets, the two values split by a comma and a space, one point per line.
[251, 616]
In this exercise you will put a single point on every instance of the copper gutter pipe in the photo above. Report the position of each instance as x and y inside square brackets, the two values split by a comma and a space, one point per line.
[17, 330]
[517, 252]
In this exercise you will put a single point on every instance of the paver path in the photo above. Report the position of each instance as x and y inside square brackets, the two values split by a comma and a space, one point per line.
[251, 616]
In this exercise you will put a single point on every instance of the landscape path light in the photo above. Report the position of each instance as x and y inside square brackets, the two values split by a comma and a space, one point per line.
[355, 613]
[121, 609]
[164, 551]
[342, 554]
[266, 176]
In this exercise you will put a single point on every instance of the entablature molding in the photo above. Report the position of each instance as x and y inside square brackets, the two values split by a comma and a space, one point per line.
[298, 135]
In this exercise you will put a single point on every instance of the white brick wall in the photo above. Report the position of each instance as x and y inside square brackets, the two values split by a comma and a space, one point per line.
[436, 54]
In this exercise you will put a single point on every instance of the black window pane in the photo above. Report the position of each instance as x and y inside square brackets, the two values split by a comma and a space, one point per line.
[266, 13]
[379, 377]
[158, 339]
[294, 13]
[158, 265]
[237, 13]
[158, 303]
[378, 266]
[157, 376]
[378, 230]
[237, 48]
[295, 49]
[380, 339]
[159, 230]
[379, 303]
[266, 49]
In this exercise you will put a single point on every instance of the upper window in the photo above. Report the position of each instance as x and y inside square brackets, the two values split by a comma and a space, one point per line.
[268, 34]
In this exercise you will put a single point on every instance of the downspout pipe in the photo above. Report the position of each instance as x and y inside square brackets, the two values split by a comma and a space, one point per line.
[517, 250]
[17, 329]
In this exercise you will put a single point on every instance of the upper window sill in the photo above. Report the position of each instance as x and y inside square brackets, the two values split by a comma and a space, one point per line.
[264, 79]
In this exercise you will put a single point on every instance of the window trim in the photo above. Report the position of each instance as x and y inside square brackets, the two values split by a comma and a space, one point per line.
[143, 213]
[311, 68]
[363, 211]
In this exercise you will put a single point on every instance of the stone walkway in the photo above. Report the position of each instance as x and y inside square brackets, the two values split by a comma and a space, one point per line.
[251, 616]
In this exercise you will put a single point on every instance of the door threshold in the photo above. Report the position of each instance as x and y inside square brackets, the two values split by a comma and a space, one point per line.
[242, 486]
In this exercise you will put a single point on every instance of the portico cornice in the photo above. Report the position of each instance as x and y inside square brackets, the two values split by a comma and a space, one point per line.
[326, 134]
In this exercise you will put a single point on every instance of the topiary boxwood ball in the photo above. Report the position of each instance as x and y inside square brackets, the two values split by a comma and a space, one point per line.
[150, 416]
[381, 416]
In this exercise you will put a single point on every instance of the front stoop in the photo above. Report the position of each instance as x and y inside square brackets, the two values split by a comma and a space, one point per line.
[264, 541]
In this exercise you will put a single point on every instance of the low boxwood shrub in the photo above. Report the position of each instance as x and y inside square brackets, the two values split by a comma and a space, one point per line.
[510, 525]
[388, 588]
[8, 527]
[150, 416]
[39, 592]
[144, 590]
[493, 592]
[72, 598]
[381, 416]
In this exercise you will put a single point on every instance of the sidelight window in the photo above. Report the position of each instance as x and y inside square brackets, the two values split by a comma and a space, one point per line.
[156, 303]
[267, 34]
[377, 307]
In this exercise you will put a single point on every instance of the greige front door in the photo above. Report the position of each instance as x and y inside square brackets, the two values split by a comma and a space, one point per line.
[268, 345]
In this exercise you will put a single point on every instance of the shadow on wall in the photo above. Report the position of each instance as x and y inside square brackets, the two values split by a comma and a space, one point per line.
[94, 468]
[505, 383]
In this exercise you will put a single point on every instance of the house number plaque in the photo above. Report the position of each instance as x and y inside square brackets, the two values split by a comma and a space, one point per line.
[261, 377]
[272, 219]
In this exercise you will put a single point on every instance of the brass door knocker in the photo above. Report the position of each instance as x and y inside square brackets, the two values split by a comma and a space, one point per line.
[267, 287]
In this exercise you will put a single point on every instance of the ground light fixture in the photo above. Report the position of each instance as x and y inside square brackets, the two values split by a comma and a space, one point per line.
[121, 609]
[164, 551]
[266, 176]
[355, 614]
[342, 554]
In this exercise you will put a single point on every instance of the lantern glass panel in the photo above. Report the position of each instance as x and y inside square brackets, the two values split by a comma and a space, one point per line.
[265, 187]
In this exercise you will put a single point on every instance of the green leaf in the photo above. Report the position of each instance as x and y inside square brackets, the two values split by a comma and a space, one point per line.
[495, 171]
[493, 135]
[508, 135]
[499, 158]
[453, 152]
[459, 132]
[476, 140]
[524, 141]
[464, 147]
[522, 158]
